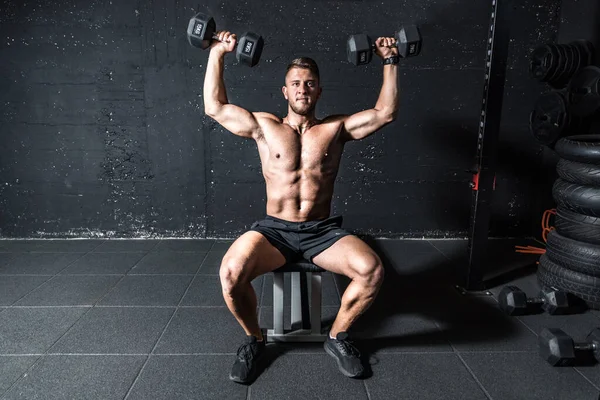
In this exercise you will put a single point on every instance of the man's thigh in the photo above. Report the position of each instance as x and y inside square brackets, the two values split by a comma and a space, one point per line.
[349, 256]
[253, 255]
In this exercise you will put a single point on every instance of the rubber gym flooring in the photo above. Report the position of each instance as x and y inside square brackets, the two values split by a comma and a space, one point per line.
[145, 319]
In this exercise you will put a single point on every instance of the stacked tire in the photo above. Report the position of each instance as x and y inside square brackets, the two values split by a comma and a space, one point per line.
[572, 259]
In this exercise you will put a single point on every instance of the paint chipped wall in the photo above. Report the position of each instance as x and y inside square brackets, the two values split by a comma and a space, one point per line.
[103, 135]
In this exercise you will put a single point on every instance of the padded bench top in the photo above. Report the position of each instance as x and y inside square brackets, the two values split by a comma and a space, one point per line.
[300, 266]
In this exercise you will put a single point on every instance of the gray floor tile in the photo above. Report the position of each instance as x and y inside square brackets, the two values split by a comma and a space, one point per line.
[70, 290]
[409, 256]
[21, 245]
[206, 290]
[34, 330]
[421, 377]
[399, 333]
[5, 258]
[157, 290]
[127, 246]
[578, 325]
[12, 288]
[222, 246]
[308, 380]
[78, 377]
[596, 313]
[527, 376]
[115, 330]
[329, 292]
[193, 245]
[476, 324]
[11, 369]
[528, 284]
[169, 262]
[592, 373]
[187, 377]
[201, 330]
[453, 249]
[103, 264]
[39, 263]
[212, 263]
[69, 245]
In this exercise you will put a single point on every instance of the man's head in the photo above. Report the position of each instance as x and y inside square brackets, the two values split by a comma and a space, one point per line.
[302, 89]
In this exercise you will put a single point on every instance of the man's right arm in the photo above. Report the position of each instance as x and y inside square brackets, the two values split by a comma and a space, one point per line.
[233, 118]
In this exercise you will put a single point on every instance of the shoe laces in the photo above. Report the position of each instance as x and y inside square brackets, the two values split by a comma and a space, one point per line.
[347, 348]
[247, 351]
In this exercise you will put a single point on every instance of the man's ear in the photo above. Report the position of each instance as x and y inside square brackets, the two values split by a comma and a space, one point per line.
[284, 91]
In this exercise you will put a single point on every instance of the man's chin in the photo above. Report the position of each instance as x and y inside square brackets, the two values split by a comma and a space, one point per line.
[302, 110]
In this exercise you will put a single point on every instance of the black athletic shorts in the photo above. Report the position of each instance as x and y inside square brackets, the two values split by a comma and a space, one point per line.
[298, 240]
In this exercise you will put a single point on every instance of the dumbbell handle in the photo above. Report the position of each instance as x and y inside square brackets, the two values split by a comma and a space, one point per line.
[586, 346]
[374, 46]
[216, 37]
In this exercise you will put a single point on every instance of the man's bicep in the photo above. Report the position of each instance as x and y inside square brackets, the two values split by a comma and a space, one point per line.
[237, 120]
[362, 124]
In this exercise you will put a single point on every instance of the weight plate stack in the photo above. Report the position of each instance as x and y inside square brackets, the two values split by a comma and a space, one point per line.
[572, 259]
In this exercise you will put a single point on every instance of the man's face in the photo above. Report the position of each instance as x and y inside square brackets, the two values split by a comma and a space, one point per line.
[301, 90]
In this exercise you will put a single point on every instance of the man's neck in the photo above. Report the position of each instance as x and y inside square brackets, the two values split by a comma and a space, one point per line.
[300, 122]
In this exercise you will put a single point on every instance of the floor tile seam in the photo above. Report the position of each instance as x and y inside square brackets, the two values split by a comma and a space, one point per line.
[37, 361]
[438, 250]
[15, 355]
[74, 261]
[32, 290]
[586, 378]
[456, 352]
[479, 383]
[202, 262]
[139, 374]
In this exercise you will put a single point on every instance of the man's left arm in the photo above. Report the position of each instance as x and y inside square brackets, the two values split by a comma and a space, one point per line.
[364, 123]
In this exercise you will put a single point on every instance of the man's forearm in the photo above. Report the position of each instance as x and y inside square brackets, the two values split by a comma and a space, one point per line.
[388, 97]
[215, 94]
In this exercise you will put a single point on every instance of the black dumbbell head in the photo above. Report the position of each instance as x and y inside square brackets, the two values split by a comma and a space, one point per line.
[513, 301]
[409, 41]
[359, 49]
[594, 338]
[249, 49]
[556, 347]
[557, 302]
[200, 30]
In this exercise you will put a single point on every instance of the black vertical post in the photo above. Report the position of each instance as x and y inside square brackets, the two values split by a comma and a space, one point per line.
[484, 178]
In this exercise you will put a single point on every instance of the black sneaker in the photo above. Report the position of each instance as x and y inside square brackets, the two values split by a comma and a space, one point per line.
[245, 368]
[346, 355]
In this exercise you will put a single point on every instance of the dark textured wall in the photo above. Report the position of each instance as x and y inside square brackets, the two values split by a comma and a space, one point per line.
[102, 131]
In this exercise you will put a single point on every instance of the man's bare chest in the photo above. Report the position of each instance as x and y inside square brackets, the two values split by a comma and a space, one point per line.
[313, 149]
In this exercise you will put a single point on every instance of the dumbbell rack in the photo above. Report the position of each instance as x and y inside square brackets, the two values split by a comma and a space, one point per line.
[484, 173]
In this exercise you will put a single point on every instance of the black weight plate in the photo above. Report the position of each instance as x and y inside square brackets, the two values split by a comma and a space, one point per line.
[540, 63]
[584, 100]
[549, 118]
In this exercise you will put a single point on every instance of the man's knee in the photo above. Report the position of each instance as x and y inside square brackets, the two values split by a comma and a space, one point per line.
[370, 270]
[233, 273]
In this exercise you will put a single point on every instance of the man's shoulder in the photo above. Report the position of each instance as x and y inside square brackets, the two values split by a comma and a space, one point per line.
[267, 116]
[334, 118]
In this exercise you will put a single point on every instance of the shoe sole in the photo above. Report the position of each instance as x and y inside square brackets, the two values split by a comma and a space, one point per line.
[337, 360]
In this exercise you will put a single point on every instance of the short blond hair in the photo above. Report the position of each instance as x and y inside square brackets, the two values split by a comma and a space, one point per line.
[306, 63]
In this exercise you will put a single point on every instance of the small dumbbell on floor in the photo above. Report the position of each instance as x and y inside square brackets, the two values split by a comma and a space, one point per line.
[513, 301]
[559, 349]
[201, 32]
[359, 48]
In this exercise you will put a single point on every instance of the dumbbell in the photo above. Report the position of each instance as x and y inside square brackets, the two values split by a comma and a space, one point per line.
[360, 47]
[559, 349]
[201, 31]
[513, 301]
